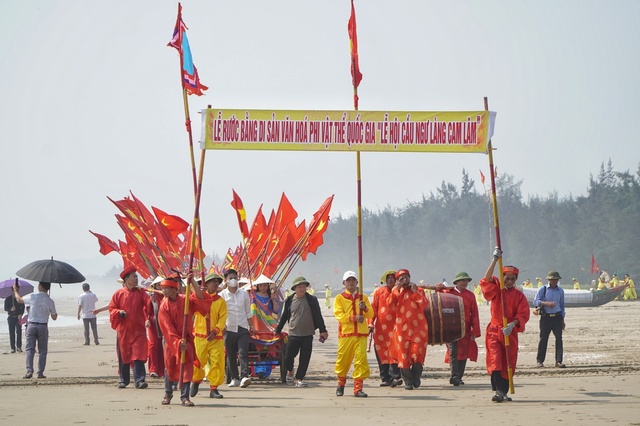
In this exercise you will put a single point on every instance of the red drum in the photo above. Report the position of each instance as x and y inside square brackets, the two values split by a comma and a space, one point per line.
[445, 317]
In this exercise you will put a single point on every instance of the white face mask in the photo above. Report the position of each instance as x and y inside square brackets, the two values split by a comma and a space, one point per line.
[232, 283]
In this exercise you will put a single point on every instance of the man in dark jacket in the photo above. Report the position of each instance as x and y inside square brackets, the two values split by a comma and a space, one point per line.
[302, 311]
[15, 310]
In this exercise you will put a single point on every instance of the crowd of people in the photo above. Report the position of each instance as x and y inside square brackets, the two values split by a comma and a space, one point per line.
[211, 338]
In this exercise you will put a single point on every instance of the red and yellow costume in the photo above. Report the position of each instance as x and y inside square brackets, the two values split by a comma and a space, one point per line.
[411, 327]
[132, 333]
[171, 318]
[516, 307]
[210, 351]
[352, 338]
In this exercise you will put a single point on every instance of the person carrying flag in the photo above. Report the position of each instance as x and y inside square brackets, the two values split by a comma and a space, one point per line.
[351, 309]
[171, 317]
[209, 331]
[516, 311]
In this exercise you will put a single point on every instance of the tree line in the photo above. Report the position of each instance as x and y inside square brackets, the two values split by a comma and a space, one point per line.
[452, 230]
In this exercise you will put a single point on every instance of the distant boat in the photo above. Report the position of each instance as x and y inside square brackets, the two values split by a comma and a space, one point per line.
[581, 298]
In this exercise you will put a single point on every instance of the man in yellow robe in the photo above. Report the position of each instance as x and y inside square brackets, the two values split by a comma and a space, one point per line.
[208, 334]
[352, 309]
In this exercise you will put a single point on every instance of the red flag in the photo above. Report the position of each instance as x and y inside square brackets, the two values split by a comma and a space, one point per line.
[175, 224]
[242, 215]
[594, 266]
[106, 245]
[481, 177]
[356, 76]
[286, 214]
[317, 228]
[180, 42]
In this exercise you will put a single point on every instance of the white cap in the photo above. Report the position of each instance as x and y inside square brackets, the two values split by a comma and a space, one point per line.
[349, 274]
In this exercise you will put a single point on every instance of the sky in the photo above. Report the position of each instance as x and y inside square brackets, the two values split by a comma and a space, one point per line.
[91, 106]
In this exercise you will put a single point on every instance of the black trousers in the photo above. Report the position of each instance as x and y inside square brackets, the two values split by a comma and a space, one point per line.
[303, 345]
[15, 332]
[237, 346]
[457, 366]
[388, 372]
[550, 324]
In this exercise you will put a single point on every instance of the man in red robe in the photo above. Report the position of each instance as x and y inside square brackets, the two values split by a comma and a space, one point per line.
[517, 313]
[130, 315]
[171, 317]
[381, 326]
[156, 352]
[461, 350]
[411, 328]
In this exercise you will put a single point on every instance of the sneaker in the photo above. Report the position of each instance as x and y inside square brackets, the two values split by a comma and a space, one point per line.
[154, 375]
[396, 382]
[234, 383]
[301, 384]
[385, 384]
[539, 365]
[290, 380]
[142, 385]
[13, 351]
[41, 376]
[194, 389]
[121, 385]
[245, 382]
[409, 387]
[215, 394]
[498, 397]
[19, 349]
[560, 365]
[28, 376]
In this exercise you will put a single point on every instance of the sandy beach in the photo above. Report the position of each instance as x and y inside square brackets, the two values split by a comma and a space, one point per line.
[600, 385]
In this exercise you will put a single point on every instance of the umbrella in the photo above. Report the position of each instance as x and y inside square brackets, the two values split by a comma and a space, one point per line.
[51, 271]
[7, 285]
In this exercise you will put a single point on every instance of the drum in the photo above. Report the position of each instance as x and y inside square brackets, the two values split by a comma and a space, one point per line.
[445, 317]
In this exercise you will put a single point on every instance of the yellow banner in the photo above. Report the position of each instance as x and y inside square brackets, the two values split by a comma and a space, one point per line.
[382, 131]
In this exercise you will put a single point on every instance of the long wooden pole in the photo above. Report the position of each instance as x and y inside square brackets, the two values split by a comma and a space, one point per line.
[499, 245]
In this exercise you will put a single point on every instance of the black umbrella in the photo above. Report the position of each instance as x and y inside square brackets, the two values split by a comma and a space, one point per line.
[51, 271]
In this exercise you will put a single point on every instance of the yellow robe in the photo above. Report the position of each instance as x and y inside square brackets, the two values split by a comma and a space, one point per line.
[352, 337]
[210, 353]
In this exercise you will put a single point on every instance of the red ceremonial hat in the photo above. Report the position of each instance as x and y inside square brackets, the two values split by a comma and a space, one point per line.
[402, 272]
[127, 271]
[511, 270]
[169, 283]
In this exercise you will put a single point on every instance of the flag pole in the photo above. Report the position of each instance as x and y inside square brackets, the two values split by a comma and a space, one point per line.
[194, 227]
[356, 76]
[499, 245]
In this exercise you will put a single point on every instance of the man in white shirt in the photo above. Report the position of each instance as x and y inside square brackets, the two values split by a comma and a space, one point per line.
[236, 336]
[41, 306]
[86, 306]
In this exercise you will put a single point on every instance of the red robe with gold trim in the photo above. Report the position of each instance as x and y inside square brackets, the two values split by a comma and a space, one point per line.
[516, 306]
[171, 319]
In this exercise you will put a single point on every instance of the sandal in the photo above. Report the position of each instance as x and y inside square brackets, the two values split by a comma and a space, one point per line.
[167, 399]
[187, 403]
